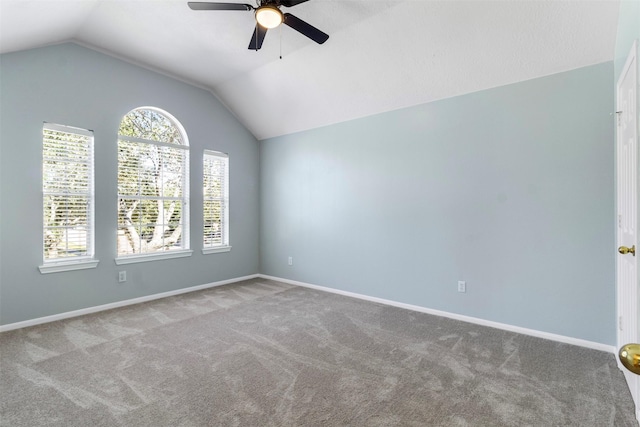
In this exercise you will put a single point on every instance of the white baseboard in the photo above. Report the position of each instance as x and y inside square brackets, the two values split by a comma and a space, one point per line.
[89, 310]
[483, 322]
[469, 319]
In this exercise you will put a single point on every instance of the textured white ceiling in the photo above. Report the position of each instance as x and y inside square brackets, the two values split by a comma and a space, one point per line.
[381, 55]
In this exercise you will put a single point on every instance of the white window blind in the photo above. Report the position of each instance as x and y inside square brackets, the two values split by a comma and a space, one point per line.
[68, 193]
[216, 199]
[153, 190]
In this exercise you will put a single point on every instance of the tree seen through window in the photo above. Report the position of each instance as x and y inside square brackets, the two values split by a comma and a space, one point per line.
[153, 173]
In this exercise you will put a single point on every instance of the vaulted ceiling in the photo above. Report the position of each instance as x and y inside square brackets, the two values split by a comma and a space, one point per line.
[382, 55]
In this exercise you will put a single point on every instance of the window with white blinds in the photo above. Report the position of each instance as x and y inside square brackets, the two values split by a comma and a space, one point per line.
[68, 197]
[215, 202]
[153, 187]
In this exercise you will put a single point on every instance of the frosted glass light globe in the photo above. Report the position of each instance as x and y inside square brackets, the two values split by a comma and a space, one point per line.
[269, 16]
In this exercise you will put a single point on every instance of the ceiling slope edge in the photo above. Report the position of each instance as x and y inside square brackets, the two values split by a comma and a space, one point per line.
[406, 107]
[144, 66]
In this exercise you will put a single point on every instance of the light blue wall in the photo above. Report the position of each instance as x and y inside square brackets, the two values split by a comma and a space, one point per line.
[75, 86]
[510, 189]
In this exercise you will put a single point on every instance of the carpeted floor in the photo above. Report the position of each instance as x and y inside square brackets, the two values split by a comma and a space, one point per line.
[263, 353]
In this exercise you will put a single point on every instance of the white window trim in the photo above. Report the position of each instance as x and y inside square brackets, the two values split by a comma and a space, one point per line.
[184, 146]
[68, 129]
[216, 249]
[133, 259]
[224, 247]
[57, 267]
[87, 262]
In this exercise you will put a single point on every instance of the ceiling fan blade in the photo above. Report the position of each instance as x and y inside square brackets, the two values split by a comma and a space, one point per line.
[197, 5]
[290, 3]
[258, 37]
[306, 29]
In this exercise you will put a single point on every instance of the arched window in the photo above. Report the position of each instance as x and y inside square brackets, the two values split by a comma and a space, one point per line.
[153, 184]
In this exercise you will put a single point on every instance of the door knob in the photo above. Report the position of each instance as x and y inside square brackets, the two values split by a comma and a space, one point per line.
[625, 250]
[630, 357]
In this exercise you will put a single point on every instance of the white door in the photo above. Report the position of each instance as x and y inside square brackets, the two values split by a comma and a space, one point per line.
[627, 196]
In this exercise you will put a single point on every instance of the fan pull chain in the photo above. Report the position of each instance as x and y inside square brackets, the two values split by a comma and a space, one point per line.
[280, 29]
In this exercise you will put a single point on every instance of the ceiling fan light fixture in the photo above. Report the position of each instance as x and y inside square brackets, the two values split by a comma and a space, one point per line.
[269, 16]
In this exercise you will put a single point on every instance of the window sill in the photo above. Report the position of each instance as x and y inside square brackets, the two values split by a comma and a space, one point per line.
[132, 259]
[215, 250]
[58, 267]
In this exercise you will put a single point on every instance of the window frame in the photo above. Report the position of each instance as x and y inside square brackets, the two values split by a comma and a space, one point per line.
[89, 260]
[185, 250]
[225, 245]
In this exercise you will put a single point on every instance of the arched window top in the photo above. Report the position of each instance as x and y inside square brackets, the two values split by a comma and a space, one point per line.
[153, 124]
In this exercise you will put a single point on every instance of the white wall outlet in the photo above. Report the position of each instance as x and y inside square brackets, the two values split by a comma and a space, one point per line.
[290, 261]
[122, 276]
[462, 286]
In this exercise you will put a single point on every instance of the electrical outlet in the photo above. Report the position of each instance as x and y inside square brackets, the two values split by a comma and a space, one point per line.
[122, 276]
[462, 286]
[290, 260]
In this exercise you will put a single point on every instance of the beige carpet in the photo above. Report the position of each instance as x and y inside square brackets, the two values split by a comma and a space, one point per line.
[263, 353]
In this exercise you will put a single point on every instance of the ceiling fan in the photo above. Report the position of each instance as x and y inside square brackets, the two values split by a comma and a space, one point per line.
[268, 16]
